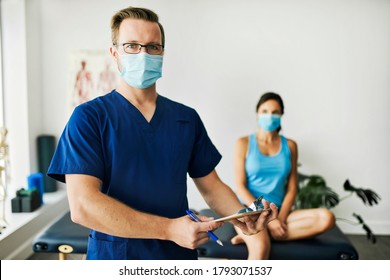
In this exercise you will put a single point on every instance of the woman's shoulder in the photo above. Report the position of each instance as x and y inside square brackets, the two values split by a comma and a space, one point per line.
[242, 145]
[243, 140]
[292, 144]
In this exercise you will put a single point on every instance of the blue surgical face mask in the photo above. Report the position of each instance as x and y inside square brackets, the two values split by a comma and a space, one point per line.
[141, 70]
[269, 122]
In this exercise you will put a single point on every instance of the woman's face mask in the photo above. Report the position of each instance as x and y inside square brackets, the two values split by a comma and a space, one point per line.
[269, 122]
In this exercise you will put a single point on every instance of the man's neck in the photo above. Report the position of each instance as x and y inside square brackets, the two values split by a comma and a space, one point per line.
[143, 99]
[138, 96]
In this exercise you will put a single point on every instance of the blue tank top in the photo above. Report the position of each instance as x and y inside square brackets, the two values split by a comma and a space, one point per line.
[268, 175]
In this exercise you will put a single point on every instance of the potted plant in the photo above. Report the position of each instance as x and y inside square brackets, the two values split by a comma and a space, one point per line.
[314, 193]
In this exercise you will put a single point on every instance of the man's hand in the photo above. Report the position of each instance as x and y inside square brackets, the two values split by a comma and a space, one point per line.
[254, 224]
[189, 234]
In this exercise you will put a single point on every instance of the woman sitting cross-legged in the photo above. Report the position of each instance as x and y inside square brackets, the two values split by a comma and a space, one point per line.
[266, 164]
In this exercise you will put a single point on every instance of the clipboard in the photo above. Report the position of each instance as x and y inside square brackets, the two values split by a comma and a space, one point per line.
[240, 215]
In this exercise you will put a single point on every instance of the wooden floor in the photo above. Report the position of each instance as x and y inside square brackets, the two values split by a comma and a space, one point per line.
[366, 250]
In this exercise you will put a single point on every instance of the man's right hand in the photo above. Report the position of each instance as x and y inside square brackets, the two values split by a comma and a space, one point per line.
[190, 234]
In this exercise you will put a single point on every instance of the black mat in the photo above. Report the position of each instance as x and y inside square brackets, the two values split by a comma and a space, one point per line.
[332, 245]
[60, 233]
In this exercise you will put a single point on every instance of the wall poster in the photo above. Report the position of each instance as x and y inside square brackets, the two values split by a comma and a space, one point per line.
[92, 73]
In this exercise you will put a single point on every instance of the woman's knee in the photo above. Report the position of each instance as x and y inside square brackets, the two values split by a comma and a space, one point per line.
[326, 219]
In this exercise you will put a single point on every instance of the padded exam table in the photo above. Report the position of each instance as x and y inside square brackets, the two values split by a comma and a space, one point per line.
[331, 245]
[65, 237]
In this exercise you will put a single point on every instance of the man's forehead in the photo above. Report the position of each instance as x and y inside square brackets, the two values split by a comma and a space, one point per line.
[139, 28]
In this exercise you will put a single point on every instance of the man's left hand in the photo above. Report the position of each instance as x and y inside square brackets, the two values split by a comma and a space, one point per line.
[253, 224]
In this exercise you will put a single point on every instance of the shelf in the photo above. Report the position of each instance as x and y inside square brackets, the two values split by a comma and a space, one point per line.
[16, 238]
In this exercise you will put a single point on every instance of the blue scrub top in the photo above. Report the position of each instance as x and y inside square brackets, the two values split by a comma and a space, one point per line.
[142, 164]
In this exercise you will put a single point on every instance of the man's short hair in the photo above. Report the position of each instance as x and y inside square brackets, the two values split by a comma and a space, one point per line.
[135, 13]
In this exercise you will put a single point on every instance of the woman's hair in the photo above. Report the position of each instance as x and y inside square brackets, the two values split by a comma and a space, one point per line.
[135, 13]
[270, 96]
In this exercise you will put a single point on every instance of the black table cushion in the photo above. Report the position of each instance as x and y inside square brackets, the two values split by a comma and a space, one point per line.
[331, 245]
[62, 232]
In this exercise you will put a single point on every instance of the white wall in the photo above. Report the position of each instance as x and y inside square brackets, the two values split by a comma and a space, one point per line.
[15, 91]
[328, 59]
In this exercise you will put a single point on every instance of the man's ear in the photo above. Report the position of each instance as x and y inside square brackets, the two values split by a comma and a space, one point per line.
[114, 53]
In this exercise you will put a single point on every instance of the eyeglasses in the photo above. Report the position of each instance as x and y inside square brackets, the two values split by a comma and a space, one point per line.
[134, 48]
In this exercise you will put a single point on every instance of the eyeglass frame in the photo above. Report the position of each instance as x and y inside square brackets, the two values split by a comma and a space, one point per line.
[140, 46]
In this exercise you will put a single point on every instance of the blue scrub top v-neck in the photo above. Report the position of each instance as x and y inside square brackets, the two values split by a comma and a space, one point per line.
[142, 164]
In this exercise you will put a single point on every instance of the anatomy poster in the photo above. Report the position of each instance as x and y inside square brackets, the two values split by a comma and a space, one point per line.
[92, 73]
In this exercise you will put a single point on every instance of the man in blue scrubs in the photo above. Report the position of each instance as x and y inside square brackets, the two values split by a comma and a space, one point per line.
[125, 158]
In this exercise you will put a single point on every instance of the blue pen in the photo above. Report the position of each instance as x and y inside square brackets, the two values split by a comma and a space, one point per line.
[210, 233]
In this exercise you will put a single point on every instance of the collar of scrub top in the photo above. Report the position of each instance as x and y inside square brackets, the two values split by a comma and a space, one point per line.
[255, 206]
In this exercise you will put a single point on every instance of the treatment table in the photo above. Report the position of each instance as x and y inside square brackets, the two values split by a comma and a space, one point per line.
[65, 237]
